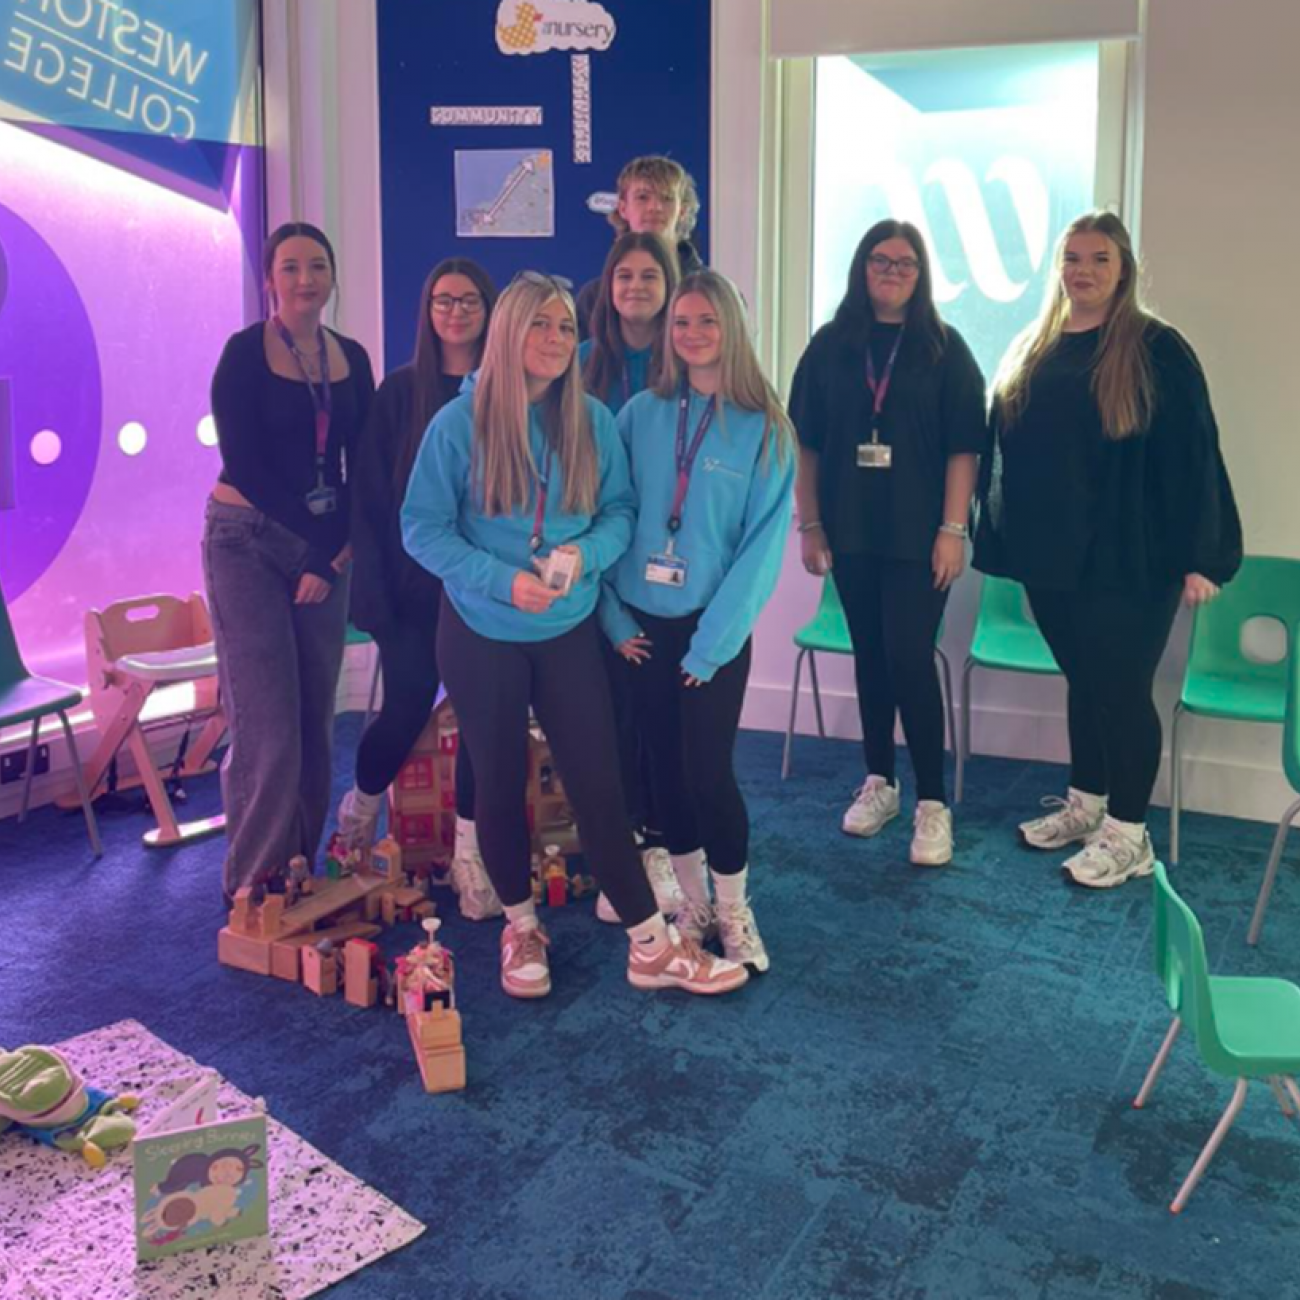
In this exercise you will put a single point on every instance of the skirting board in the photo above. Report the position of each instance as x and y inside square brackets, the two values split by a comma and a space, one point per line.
[1214, 781]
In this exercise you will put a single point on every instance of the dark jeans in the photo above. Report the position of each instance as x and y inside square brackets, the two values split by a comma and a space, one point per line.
[893, 612]
[1108, 644]
[493, 684]
[691, 734]
[409, 659]
[278, 667]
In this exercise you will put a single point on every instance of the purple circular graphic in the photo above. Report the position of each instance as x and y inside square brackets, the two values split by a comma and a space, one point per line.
[49, 380]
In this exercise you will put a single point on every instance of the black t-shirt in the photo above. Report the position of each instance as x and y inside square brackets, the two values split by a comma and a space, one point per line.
[1065, 508]
[934, 409]
[266, 429]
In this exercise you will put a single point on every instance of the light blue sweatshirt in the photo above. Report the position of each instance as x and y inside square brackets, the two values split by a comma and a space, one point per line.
[733, 530]
[477, 556]
[636, 366]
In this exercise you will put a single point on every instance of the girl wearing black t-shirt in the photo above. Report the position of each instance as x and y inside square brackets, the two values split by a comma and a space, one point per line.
[1107, 497]
[889, 406]
[289, 399]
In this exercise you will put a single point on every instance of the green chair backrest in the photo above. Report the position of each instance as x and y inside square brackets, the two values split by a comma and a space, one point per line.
[12, 668]
[1182, 968]
[828, 629]
[1005, 631]
[1003, 601]
[1266, 587]
[1291, 726]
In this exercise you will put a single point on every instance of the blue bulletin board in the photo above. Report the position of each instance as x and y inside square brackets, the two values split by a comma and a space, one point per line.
[501, 119]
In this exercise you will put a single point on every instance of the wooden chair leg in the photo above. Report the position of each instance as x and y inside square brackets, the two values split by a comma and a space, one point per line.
[87, 808]
[31, 768]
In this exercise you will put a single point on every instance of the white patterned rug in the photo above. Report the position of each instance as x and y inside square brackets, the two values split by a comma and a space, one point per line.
[67, 1233]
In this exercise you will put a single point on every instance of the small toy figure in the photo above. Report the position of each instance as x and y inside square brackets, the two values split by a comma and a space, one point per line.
[43, 1097]
[539, 890]
[581, 885]
[299, 884]
[340, 860]
[555, 877]
[427, 974]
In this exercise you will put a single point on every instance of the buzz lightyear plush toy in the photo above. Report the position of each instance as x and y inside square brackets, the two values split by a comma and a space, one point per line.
[43, 1097]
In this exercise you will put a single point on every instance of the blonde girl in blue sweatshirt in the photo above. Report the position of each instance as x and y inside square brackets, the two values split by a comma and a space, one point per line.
[713, 466]
[522, 470]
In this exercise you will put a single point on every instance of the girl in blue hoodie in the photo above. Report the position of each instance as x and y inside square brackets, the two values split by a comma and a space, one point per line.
[712, 460]
[521, 473]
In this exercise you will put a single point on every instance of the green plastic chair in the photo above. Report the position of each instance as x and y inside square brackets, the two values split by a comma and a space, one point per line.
[1007, 640]
[1245, 1027]
[828, 632]
[1291, 766]
[355, 636]
[26, 698]
[1220, 681]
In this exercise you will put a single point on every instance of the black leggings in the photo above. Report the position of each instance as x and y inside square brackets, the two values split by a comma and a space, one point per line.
[493, 684]
[893, 612]
[691, 735]
[634, 760]
[408, 656]
[1108, 644]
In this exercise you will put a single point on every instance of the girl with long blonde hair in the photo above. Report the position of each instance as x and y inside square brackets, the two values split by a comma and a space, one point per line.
[712, 457]
[1107, 497]
[519, 500]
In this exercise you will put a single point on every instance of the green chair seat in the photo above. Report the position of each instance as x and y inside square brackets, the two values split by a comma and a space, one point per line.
[30, 698]
[826, 632]
[1012, 649]
[1213, 695]
[1258, 1024]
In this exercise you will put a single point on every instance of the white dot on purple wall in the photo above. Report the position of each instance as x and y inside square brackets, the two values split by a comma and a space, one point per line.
[207, 431]
[132, 437]
[46, 447]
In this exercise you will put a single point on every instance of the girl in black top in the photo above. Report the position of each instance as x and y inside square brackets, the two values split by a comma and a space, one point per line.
[289, 399]
[889, 406]
[395, 599]
[1107, 497]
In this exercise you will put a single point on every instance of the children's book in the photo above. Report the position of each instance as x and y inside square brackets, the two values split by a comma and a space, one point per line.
[200, 1178]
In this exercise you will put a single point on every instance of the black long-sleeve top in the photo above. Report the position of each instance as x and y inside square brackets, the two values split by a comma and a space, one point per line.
[266, 430]
[934, 410]
[1066, 508]
[388, 587]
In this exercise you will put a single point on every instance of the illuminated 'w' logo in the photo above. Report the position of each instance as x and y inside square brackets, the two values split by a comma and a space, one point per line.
[970, 214]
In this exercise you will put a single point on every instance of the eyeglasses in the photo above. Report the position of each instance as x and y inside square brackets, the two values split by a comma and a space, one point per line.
[556, 282]
[907, 267]
[445, 303]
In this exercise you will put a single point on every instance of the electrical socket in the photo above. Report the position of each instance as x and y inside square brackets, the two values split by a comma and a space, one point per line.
[13, 766]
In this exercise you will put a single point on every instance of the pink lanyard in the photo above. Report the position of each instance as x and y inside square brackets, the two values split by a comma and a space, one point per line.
[879, 389]
[322, 403]
[686, 457]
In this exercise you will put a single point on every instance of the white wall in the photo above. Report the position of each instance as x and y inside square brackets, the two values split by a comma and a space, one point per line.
[1219, 192]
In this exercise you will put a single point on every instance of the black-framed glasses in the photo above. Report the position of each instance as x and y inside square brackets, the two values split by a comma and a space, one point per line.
[556, 282]
[446, 303]
[907, 267]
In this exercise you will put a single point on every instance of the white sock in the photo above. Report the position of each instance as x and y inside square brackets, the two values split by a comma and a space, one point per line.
[732, 888]
[651, 936]
[692, 875]
[1131, 831]
[1093, 803]
[929, 803]
[524, 915]
[366, 805]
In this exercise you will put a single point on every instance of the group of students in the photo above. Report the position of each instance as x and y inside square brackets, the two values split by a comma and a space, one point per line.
[589, 533]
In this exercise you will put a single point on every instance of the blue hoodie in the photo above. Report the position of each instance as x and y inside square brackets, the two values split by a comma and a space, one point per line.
[477, 556]
[636, 369]
[733, 530]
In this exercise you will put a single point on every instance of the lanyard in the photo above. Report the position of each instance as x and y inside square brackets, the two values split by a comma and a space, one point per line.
[879, 388]
[322, 401]
[543, 483]
[627, 384]
[686, 456]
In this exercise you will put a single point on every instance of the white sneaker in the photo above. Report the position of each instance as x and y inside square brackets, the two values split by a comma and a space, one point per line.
[663, 880]
[1110, 858]
[695, 921]
[741, 941]
[1072, 822]
[932, 837]
[469, 877]
[605, 909]
[357, 828]
[873, 805]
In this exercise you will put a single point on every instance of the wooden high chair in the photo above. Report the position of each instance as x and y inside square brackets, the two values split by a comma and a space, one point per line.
[134, 648]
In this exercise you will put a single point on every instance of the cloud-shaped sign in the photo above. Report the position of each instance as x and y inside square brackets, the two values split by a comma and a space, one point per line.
[538, 26]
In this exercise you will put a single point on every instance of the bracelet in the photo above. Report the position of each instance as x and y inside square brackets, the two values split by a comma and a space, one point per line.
[954, 530]
[810, 527]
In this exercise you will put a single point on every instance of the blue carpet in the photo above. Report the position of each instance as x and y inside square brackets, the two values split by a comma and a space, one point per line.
[928, 1096]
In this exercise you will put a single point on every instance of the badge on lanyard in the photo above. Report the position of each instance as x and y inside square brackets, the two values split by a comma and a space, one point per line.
[876, 454]
[322, 499]
[668, 569]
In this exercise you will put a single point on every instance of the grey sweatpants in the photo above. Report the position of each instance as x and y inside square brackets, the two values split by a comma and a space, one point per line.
[278, 666]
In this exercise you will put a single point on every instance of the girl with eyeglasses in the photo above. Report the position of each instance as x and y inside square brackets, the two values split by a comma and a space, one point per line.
[518, 501]
[623, 356]
[290, 398]
[712, 456]
[889, 405]
[395, 599]
[1107, 497]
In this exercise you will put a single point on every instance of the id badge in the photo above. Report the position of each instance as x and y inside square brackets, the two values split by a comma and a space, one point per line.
[875, 455]
[666, 570]
[322, 500]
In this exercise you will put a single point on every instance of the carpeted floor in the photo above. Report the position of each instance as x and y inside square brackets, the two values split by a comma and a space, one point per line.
[928, 1096]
